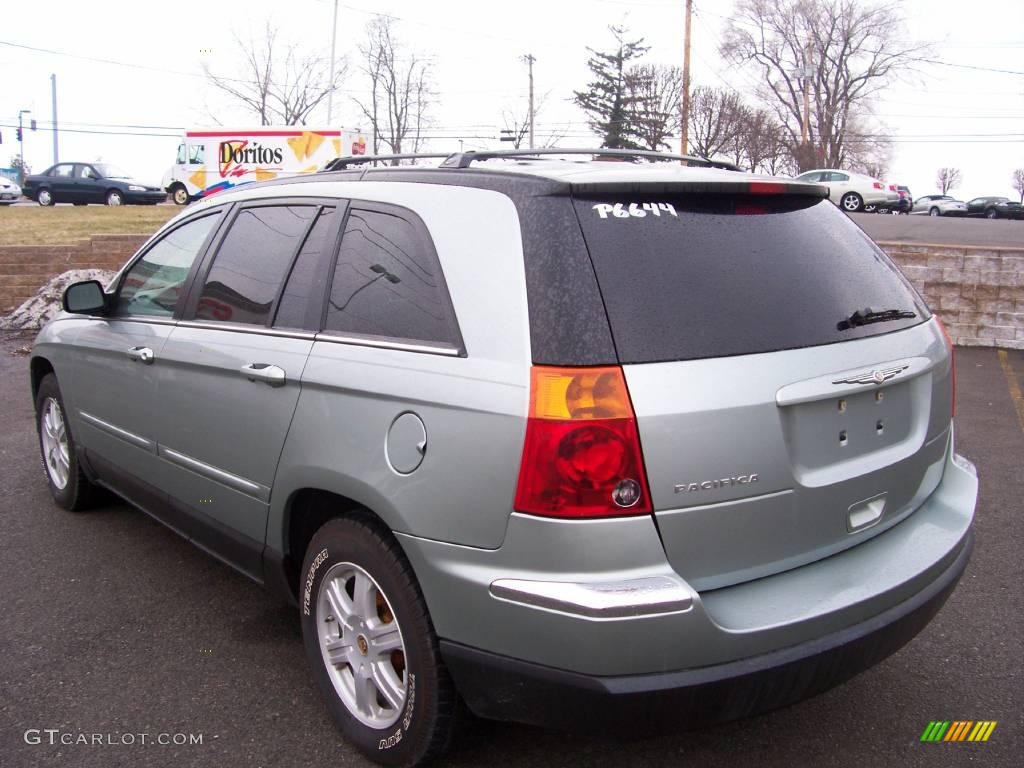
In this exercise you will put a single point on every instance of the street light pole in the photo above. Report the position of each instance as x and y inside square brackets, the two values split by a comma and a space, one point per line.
[334, 38]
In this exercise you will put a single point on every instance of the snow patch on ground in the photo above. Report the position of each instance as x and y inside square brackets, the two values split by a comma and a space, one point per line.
[38, 310]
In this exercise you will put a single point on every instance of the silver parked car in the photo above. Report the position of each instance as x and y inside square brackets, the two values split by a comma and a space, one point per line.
[10, 192]
[939, 205]
[549, 437]
[853, 191]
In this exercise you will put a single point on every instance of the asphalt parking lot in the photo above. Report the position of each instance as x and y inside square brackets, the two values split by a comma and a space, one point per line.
[111, 624]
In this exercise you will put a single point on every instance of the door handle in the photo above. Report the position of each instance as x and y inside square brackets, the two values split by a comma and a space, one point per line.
[271, 375]
[142, 355]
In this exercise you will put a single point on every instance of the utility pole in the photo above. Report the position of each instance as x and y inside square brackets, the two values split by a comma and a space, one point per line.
[685, 140]
[806, 127]
[334, 39]
[53, 92]
[21, 146]
[529, 59]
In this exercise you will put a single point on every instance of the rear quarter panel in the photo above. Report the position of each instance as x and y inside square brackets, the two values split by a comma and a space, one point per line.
[473, 407]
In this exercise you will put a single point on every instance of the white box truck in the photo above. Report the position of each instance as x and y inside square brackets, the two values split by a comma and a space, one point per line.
[214, 159]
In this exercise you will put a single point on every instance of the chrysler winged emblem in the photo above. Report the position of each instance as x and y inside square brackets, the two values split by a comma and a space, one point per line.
[877, 376]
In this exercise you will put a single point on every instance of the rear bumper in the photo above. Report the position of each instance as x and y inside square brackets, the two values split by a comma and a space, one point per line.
[590, 614]
[503, 688]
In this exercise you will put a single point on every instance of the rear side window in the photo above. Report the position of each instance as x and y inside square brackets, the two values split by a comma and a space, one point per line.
[704, 276]
[252, 261]
[388, 281]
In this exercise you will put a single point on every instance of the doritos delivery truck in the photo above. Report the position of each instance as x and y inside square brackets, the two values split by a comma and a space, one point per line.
[216, 159]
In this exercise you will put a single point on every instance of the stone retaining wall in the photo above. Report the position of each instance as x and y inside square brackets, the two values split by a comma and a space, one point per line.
[24, 268]
[978, 292]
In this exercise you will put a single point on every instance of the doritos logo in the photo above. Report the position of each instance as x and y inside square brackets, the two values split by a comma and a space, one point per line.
[231, 154]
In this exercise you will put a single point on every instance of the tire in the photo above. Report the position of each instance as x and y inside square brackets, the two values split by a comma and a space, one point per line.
[417, 725]
[179, 195]
[114, 197]
[934, 212]
[991, 214]
[44, 197]
[851, 202]
[68, 484]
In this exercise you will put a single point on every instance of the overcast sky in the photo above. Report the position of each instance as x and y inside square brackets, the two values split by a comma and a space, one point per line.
[957, 116]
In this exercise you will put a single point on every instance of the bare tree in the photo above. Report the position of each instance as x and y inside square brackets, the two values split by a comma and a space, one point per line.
[1018, 183]
[717, 119]
[400, 93]
[653, 95]
[947, 178]
[853, 49]
[517, 121]
[762, 145]
[279, 82]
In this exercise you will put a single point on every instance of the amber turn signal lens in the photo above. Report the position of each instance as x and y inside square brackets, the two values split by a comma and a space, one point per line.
[578, 393]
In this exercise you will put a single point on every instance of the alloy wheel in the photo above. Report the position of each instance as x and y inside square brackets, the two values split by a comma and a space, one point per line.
[55, 443]
[362, 646]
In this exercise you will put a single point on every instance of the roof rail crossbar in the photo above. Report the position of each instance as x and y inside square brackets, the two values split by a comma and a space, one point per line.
[342, 163]
[464, 159]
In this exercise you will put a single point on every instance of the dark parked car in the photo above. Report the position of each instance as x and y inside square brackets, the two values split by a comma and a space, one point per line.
[995, 208]
[84, 183]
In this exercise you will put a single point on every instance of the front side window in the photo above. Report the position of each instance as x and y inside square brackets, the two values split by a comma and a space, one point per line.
[196, 153]
[252, 262]
[388, 282]
[85, 172]
[153, 284]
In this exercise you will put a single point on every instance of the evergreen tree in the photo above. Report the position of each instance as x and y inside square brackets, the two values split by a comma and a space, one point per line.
[608, 98]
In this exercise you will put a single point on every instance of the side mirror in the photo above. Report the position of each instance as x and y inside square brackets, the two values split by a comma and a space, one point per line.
[85, 298]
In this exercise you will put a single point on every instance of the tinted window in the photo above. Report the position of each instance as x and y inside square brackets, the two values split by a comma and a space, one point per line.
[388, 282]
[153, 284]
[306, 283]
[251, 263]
[716, 276]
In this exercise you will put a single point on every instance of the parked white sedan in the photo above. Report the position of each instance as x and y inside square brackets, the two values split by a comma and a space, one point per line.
[10, 192]
[851, 191]
[939, 205]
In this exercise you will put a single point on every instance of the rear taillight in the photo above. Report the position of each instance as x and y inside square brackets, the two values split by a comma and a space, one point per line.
[952, 362]
[581, 456]
[877, 185]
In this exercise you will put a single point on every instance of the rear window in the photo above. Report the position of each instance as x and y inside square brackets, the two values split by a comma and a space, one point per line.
[690, 277]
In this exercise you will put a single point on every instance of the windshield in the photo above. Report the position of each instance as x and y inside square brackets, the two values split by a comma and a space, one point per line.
[108, 171]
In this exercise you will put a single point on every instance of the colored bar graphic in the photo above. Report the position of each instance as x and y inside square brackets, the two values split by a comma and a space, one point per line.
[958, 730]
[935, 731]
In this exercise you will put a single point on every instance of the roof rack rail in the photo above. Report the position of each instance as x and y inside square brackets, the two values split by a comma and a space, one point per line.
[464, 159]
[342, 163]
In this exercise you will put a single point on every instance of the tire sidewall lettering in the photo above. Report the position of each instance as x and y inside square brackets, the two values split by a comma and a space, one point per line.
[322, 556]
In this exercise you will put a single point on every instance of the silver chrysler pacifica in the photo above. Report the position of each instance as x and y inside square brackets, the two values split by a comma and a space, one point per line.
[551, 438]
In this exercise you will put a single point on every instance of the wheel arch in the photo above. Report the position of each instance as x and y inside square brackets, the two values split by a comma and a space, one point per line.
[39, 367]
[304, 511]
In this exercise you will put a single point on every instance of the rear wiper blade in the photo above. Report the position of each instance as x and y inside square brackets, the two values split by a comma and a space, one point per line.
[867, 315]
